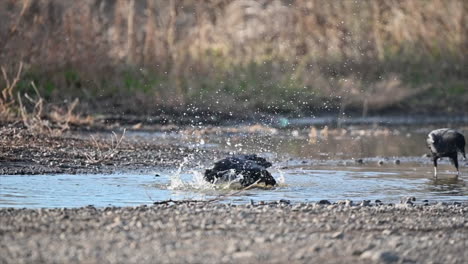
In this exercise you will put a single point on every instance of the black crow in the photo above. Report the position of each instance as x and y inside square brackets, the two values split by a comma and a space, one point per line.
[251, 167]
[445, 142]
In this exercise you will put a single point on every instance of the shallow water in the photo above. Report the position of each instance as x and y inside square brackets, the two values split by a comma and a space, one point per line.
[310, 166]
[321, 144]
[297, 184]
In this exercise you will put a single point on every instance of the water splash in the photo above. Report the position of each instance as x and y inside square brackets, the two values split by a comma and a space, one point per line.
[191, 179]
[281, 180]
[194, 180]
[175, 179]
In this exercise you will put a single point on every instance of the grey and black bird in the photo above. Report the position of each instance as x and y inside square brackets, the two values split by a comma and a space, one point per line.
[252, 168]
[446, 142]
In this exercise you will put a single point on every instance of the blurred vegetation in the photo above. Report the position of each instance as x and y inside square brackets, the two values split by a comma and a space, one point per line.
[294, 56]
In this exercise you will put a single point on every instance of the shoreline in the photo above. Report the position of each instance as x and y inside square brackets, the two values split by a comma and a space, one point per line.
[222, 233]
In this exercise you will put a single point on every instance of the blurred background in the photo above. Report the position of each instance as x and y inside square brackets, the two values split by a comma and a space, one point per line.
[292, 57]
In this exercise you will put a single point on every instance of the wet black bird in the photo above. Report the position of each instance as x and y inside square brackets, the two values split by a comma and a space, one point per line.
[252, 168]
[446, 142]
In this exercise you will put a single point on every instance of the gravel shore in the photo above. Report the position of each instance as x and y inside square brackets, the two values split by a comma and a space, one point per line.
[222, 233]
[23, 152]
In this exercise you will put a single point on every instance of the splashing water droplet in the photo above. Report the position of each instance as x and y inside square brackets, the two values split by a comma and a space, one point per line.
[281, 180]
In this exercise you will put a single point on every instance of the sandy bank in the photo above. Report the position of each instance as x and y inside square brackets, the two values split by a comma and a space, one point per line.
[221, 233]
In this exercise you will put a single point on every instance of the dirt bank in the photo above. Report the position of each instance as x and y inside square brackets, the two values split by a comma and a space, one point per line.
[25, 152]
[221, 233]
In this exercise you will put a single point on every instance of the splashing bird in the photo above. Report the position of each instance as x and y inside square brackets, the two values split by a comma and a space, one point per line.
[251, 168]
[446, 142]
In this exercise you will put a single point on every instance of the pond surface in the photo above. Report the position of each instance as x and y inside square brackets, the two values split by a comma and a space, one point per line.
[304, 143]
[309, 164]
[298, 184]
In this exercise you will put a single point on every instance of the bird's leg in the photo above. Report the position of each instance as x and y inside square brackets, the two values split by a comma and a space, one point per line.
[435, 167]
[454, 160]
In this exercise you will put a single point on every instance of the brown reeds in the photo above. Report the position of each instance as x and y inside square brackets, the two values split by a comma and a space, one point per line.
[34, 120]
[259, 54]
[7, 99]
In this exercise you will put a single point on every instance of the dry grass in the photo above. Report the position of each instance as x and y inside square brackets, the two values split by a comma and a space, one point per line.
[104, 151]
[32, 112]
[33, 120]
[65, 117]
[246, 53]
[7, 100]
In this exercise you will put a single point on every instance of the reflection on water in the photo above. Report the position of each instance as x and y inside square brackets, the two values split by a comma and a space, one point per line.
[447, 186]
[333, 144]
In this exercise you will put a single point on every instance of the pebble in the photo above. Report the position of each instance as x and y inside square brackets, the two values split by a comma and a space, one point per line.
[380, 256]
[407, 200]
[324, 202]
[284, 201]
[337, 235]
[345, 202]
[243, 254]
[260, 240]
[365, 203]
[387, 232]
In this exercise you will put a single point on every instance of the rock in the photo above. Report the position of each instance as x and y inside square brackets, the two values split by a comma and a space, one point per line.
[296, 207]
[300, 254]
[232, 247]
[387, 232]
[260, 240]
[365, 203]
[407, 200]
[380, 256]
[324, 202]
[345, 202]
[337, 235]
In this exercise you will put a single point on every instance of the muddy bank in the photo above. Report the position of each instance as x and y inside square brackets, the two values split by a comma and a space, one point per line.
[25, 152]
[222, 233]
